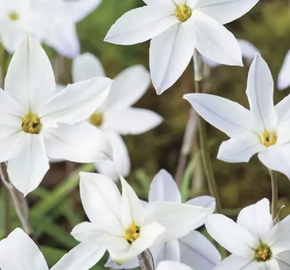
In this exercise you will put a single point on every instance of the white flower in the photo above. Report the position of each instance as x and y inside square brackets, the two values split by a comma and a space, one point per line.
[17, 17]
[192, 249]
[34, 118]
[116, 116]
[63, 16]
[123, 225]
[264, 129]
[176, 28]
[19, 252]
[172, 265]
[248, 52]
[253, 241]
[284, 74]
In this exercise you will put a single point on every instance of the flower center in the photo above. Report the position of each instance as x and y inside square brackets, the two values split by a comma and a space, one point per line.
[268, 138]
[96, 119]
[183, 12]
[263, 253]
[132, 233]
[31, 123]
[13, 16]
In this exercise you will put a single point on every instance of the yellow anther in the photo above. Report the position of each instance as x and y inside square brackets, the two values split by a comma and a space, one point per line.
[268, 138]
[13, 16]
[263, 253]
[31, 124]
[183, 13]
[132, 233]
[96, 119]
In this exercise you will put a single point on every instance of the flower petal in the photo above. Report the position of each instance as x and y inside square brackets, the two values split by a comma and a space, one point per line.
[240, 263]
[257, 219]
[86, 66]
[164, 188]
[131, 121]
[198, 252]
[9, 144]
[214, 41]
[177, 219]
[249, 51]
[35, 82]
[172, 265]
[277, 158]
[134, 263]
[141, 24]
[132, 209]
[18, 251]
[12, 108]
[27, 170]
[225, 11]
[283, 109]
[283, 76]
[228, 116]
[231, 236]
[169, 250]
[76, 102]
[121, 164]
[100, 197]
[170, 54]
[272, 265]
[240, 148]
[260, 89]
[127, 88]
[79, 143]
[283, 260]
[82, 257]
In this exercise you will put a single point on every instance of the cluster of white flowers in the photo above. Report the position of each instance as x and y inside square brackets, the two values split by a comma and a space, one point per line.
[41, 121]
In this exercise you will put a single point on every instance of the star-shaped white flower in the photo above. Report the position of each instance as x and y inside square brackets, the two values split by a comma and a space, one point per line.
[19, 252]
[284, 74]
[18, 17]
[253, 241]
[176, 28]
[123, 225]
[192, 249]
[264, 129]
[37, 122]
[116, 116]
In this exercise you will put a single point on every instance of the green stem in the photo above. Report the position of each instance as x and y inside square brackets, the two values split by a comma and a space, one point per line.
[208, 170]
[274, 204]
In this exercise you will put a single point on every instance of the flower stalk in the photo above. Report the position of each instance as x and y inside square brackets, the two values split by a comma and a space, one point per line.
[202, 135]
[274, 203]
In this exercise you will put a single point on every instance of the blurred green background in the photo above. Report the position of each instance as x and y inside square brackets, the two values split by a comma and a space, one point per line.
[56, 207]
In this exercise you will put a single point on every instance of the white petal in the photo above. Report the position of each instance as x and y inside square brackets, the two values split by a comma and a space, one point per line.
[230, 235]
[86, 66]
[79, 143]
[228, 116]
[100, 196]
[249, 51]
[272, 265]
[76, 102]
[277, 158]
[214, 41]
[82, 257]
[279, 237]
[283, 260]
[132, 209]
[284, 74]
[178, 219]
[170, 54]
[10, 145]
[18, 251]
[121, 164]
[131, 121]
[260, 89]
[27, 170]
[11, 107]
[225, 11]
[141, 24]
[30, 79]
[239, 263]
[128, 265]
[257, 219]
[164, 188]
[240, 148]
[125, 255]
[127, 88]
[169, 250]
[171, 265]
[283, 109]
[198, 252]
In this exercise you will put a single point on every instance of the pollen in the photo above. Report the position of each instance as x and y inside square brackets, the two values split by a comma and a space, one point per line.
[183, 13]
[31, 123]
[263, 253]
[96, 119]
[13, 16]
[132, 233]
[268, 138]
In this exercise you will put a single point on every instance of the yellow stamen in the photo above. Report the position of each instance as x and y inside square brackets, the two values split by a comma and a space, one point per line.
[13, 16]
[31, 124]
[132, 233]
[263, 253]
[96, 119]
[183, 13]
[268, 138]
